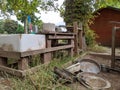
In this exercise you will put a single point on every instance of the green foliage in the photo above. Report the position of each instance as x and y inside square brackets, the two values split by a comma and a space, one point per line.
[80, 11]
[38, 22]
[20, 29]
[90, 37]
[98, 48]
[104, 3]
[10, 26]
[1, 26]
[23, 8]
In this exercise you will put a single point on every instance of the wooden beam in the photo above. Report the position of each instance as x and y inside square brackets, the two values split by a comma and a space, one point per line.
[56, 33]
[61, 37]
[10, 54]
[51, 49]
[70, 50]
[11, 71]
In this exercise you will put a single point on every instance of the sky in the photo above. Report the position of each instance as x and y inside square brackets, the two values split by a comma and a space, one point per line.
[53, 17]
[50, 17]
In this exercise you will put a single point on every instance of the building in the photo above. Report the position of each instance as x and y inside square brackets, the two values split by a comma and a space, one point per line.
[103, 27]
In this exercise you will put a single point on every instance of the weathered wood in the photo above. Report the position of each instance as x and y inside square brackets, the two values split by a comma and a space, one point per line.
[45, 58]
[10, 54]
[56, 33]
[15, 72]
[23, 63]
[69, 29]
[76, 38]
[3, 61]
[70, 51]
[64, 74]
[113, 47]
[61, 37]
[48, 56]
[80, 42]
[48, 42]
[51, 49]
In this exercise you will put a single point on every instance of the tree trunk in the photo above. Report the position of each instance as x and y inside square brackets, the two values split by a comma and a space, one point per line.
[25, 26]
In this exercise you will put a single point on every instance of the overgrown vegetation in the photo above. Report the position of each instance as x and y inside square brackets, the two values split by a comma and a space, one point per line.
[97, 48]
[90, 37]
[44, 79]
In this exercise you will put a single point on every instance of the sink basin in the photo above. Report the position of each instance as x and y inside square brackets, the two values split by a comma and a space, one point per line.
[22, 42]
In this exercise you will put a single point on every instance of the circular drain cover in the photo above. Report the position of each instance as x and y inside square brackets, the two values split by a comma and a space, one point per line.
[92, 81]
[88, 65]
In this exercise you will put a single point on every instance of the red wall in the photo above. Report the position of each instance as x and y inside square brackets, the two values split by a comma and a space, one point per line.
[103, 27]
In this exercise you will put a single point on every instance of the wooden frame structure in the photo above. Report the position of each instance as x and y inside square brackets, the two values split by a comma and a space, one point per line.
[113, 56]
[45, 54]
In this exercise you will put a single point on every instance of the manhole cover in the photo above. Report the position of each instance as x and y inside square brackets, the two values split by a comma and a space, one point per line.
[93, 81]
[88, 65]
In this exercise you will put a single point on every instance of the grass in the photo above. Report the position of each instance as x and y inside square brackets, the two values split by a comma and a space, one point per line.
[44, 79]
[98, 48]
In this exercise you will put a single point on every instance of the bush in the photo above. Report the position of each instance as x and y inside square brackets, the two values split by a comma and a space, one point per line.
[90, 36]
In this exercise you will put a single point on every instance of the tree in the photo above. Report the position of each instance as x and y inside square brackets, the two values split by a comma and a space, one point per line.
[24, 8]
[10, 26]
[104, 3]
[78, 10]
[20, 29]
[1, 26]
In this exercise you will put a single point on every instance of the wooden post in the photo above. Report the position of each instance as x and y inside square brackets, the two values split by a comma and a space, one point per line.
[23, 63]
[70, 51]
[46, 57]
[113, 47]
[75, 30]
[3, 61]
[80, 32]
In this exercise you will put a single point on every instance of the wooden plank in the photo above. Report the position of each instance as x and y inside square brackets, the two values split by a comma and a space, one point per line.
[56, 33]
[18, 55]
[11, 71]
[10, 54]
[27, 53]
[61, 37]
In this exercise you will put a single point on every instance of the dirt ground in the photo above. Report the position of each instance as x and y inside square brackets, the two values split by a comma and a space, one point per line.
[112, 77]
